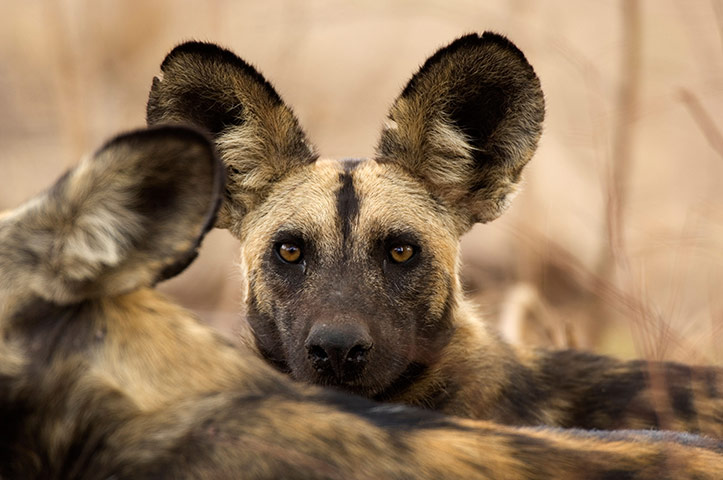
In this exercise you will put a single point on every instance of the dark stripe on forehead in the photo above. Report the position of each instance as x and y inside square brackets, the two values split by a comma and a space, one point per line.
[350, 164]
[347, 201]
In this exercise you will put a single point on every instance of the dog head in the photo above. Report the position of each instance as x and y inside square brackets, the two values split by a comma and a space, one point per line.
[352, 265]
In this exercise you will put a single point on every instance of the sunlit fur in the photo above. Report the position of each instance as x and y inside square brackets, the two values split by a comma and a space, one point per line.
[115, 381]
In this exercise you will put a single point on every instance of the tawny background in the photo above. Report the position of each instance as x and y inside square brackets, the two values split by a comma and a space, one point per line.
[616, 242]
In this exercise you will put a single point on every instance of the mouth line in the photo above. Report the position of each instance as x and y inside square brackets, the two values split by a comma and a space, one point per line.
[336, 382]
[356, 385]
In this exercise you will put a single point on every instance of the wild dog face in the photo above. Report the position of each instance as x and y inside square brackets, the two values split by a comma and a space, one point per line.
[352, 265]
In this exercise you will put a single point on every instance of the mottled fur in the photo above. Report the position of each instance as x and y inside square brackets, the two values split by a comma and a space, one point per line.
[101, 377]
[451, 154]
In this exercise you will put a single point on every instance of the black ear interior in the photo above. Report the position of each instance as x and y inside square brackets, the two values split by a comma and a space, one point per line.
[465, 115]
[481, 78]
[468, 98]
[466, 124]
[197, 88]
[211, 114]
[256, 133]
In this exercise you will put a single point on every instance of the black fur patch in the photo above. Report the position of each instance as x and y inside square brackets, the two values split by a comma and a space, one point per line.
[522, 396]
[266, 335]
[711, 379]
[212, 52]
[682, 401]
[618, 474]
[180, 264]
[478, 116]
[14, 411]
[208, 112]
[470, 41]
[409, 377]
[436, 332]
[50, 330]
[211, 107]
[612, 399]
[347, 203]
[351, 164]
[398, 417]
[680, 380]
[599, 400]
[157, 197]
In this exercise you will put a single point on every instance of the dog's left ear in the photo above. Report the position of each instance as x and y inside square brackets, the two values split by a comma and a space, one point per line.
[466, 124]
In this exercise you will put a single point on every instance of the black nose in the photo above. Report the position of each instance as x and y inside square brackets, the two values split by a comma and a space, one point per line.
[338, 351]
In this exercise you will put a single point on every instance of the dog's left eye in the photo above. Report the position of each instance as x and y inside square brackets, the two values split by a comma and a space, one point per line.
[289, 252]
[401, 253]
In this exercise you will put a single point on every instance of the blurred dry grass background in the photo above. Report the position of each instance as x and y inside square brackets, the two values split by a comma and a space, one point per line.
[616, 242]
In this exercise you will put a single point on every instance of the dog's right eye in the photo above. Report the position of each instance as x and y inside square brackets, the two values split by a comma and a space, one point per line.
[401, 253]
[289, 252]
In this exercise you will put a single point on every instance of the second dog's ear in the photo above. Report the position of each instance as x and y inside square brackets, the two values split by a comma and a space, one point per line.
[257, 136]
[125, 218]
[466, 124]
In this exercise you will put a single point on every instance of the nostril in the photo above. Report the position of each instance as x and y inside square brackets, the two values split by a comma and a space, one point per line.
[357, 354]
[318, 354]
[338, 354]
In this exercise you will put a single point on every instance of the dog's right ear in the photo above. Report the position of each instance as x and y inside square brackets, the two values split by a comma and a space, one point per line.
[257, 136]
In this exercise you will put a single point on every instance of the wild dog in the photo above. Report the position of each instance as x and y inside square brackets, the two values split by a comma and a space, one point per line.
[352, 266]
[101, 377]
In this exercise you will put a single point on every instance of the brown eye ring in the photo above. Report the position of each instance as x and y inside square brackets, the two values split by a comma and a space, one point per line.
[401, 253]
[289, 252]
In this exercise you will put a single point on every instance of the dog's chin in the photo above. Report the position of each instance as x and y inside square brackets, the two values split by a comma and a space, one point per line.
[369, 383]
[356, 386]
[353, 388]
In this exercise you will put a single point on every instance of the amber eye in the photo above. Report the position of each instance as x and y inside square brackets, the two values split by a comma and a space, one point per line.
[401, 253]
[289, 252]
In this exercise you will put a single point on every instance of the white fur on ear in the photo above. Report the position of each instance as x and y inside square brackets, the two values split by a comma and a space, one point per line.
[101, 228]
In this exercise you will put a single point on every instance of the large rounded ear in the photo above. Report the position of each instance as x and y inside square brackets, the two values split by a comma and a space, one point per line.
[132, 214]
[466, 124]
[257, 136]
